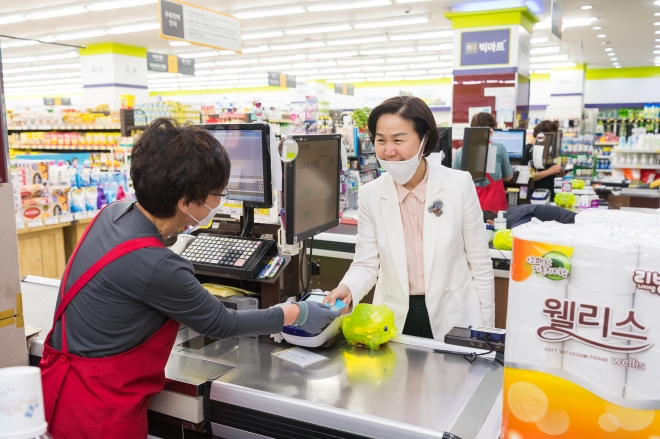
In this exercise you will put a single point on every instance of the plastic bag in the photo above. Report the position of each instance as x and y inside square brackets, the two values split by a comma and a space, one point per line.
[503, 239]
[369, 325]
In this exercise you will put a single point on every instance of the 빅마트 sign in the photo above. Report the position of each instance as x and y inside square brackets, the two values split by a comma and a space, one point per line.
[487, 47]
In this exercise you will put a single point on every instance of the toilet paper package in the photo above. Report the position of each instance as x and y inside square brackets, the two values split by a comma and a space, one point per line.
[583, 329]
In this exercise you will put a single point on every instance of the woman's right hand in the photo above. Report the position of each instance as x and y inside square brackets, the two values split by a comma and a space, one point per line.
[556, 170]
[342, 293]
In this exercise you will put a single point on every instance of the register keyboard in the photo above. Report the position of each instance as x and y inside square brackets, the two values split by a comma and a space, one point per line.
[230, 255]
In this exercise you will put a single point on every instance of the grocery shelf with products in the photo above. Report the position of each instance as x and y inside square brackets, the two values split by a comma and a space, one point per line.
[577, 154]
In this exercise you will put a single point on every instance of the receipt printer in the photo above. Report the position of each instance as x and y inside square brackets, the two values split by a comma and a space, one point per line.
[540, 196]
[296, 336]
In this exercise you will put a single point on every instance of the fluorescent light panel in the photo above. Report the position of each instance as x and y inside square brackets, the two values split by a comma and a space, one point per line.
[267, 12]
[265, 34]
[340, 6]
[332, 55]
[318, 29]
[403, 21]
[295, 46]
[436, 48]
[362, 40]
[384, 51]
[422, 36]
[255, 49]
[104, 6]
[550, 49]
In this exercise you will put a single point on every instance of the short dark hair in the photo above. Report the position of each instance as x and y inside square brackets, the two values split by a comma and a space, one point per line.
[413, 110]
[546, 126]
[172, 161]
[483, 120]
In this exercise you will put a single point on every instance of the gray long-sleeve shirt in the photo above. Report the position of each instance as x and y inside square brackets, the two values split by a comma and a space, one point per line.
[131, 298]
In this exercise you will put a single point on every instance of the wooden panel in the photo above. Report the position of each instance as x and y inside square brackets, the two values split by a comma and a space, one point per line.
[501, 301]
[29, 255]
[72, 235]
[52, 253]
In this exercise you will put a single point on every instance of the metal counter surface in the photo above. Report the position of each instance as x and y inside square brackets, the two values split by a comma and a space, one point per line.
[398, 391]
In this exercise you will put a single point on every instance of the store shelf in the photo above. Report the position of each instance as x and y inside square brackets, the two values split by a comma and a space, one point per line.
[603, 170]
[638, 167]
[115, 127]
[637, 151]
[627, 119]
[605, 157]
[66, 148]
[606, 143]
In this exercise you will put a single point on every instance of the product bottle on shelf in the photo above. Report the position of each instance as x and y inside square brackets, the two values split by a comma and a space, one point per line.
[352, 186]
[343, 195]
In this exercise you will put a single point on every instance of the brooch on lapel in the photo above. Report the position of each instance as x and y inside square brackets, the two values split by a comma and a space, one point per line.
[436, 207]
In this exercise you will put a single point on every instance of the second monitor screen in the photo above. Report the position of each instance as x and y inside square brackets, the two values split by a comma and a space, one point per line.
[317, 184]
[513, 141]
[246, 180]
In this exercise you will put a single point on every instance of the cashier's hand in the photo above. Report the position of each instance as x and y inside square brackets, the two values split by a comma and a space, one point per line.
[315, 316]
[556, 170]
[342, 293]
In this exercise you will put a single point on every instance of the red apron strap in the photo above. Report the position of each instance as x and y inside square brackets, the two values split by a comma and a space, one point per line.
[114, 254]
[65, 277]
[490, 179]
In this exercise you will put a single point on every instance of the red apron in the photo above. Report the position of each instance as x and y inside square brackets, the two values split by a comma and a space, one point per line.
[103, 397]
[493, 196]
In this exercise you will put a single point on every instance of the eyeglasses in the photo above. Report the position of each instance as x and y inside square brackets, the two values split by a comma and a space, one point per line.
[223, 196]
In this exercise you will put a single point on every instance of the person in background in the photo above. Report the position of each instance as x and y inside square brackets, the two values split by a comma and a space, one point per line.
[545, 179]
[492, 195]
[522, 214]
[421, 238]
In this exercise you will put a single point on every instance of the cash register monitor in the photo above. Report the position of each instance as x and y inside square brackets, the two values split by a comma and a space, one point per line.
[312, 187]
[512, 140]
[444, 145]
[248, 146]
[474, 157]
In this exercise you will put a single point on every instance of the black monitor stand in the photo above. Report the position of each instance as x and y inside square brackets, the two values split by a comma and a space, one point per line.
[247, 221]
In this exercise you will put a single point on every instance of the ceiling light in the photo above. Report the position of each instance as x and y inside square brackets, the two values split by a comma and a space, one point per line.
[23, 43]
[446, 57]
[17, 60]
[179, 43]
[226, 52]
[133, 28]
[593, 18]
[383, 68]
[61, 12]
[364, 75]
[657, 32]
[204, 64]
[614, 59]
[257, 35]
[542, 72]
[550, 49]
[271, 68]
[365, 40]
[422, 78]
[104, 6]
[204, 72]
[347, 5]
[378, 79]
[580, 22]
[422, 36]
[616, 64]
[303, 72]
[326, 77]
[236, 62]
[617, 67]
[656, 14]
[265, 12]
[318, 29]
[231, 71]
[656, 51]
[548, 58]
[298, 45]
[435, 71]
[406, 72]
[611, 54]
[360, 62]
[586, 7]
[342, 70]
[413, 59]
[539, 40]
[545, 24]
[403, 21]
[255, 49]
[601, 36]
[384, 51]
[431, 65]
[596, 28]
[66, 66]
[554, 65]
[298, 57]
[7, 19]
[609, 49]
[435, 48]
[311, 65]
[199, 54]
[59, 56]
[80, 35]
[333, 54]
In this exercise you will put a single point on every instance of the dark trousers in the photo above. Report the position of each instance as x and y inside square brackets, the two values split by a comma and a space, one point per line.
[418, 323]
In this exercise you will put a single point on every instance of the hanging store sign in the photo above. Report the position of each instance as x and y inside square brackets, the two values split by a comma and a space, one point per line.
[489, 47]
[57, 101]
[158, 62]
[345, 89]
[281, 80]
[557, 20]
[194, 24]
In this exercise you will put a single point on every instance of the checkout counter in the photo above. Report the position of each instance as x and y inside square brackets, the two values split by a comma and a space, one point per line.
[237, 389]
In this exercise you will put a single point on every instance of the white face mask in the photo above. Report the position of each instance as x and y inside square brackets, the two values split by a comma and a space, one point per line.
[403, 171]
[207, 219]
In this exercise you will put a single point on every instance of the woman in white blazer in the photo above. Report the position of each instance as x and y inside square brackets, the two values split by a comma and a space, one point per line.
[421, 236]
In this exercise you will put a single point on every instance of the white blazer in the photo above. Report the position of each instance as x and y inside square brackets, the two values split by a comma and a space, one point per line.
[458, 271]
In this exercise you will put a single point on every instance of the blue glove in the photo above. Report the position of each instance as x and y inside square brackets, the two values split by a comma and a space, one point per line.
[315, 316]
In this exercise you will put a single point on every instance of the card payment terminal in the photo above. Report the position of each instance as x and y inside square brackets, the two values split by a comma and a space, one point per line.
[296, 336]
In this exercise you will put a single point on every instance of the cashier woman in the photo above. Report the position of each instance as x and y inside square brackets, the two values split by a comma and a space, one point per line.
[124, 294]
[421, 236]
